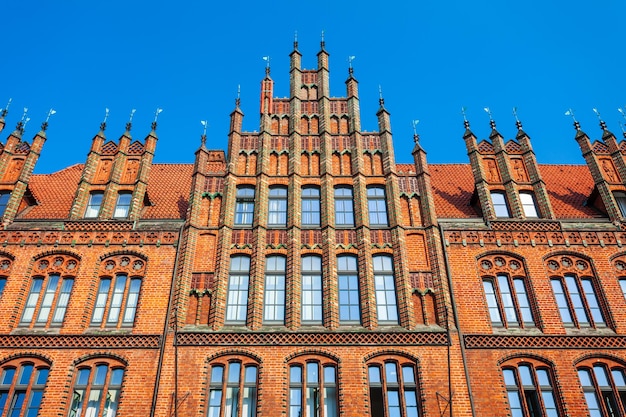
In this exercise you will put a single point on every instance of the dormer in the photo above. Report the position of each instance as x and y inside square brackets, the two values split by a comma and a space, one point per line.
[115, 177]
[508, 184]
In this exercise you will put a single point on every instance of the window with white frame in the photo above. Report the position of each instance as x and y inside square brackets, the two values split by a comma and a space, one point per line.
[500, 207]
[22, 384]
[274, 306]
[312, 290]
[348, 283]
[117, 300]
[122, 206]
[385, 288]
[507, 300]
[47, 300]
[244, 206]
[93, 205]
[277, 206]
[310, 206]
[528, 204]
[377, 206]
[344, 207]
[237, 298]
[620, 199]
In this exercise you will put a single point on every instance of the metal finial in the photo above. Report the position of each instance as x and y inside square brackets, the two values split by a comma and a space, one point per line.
[621, 125]
[6, 109]
[44, 125]
[492, 122]
[350, 59]
[602, 123]
[130, 120]
[156, 114]
[381, 100]
[238, 99]
[323, 43]
[466, 122]
[205, 124]
[103, 125]
[570, 112]
[518, 123]
[295, 40]
[415, 135]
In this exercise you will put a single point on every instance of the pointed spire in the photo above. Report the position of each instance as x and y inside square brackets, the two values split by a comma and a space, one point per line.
[350, 69]
[103, 125]
[621, 125]
[601, 122]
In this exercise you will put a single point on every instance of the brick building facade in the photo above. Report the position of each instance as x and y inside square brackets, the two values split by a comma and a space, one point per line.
[305, 273]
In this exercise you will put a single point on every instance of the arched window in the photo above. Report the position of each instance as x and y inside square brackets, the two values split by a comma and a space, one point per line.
[5, 271]
[22, 384]
[244, 206]
[348, 282]
[96, 390]
[274, 309]
[344, 207]
[530, 389]
[122, 206]
[377, 206]
[604, 386]
[118, 292]
[232, 388]
[313, 388]
[312, 305]
[93, 205]
[237, 298]
[574, 290]
[505, 291]
[50, 291]
[393, 388]
[500, 206]
[384, 283]
[277, 206]
[310, 206]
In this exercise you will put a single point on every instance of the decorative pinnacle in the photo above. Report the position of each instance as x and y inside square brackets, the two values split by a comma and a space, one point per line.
[466, 122]
[570, 112]
[6, 109]
[204, 123]
[44, 125]
[130, 120]
[492, 122]
[602, 123]
[416, 137]
[517, 121]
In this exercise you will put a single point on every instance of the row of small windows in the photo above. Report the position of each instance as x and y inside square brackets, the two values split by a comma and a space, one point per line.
[122, 206]
[96, 389]
[312, 307]
[48, 299]
[311, 206]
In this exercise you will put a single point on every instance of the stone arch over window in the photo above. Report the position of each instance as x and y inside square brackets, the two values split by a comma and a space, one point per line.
[6, 264]
[603, 383]
[275, 125]
[22, 383]
[334, 125]
[117, 299]
[576, 291]
[507, 290]
[304, 125]
[531, 386]
[97, 385]
[344, 125]
[393, 381]
[619, 270]
[284, 125]
[232, 385]
[312, 385]
[50, 289]
[314, 125]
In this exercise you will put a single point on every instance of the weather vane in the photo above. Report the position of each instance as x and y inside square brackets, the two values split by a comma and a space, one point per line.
[106, 114]
[466, 122]
[488, 111]
[621, 125]
[415, 123]
[267, 60]
[6, 109]
[204, 123]
[517, 121]
[570, 112]
[50, 113]
[132, 113]
[350, 59]
[156, 114]
[597, 114]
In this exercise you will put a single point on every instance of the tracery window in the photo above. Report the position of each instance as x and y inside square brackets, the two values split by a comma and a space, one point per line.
[22, 383]
[574, 288]
[313, 388]
[97, 387]
[603, 382]
[506, 291]
[50, 290]
[118, 291]
[530, 388]
[393, 388]
[232, 388]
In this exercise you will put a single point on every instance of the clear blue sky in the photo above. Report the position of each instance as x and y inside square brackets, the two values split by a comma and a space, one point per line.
[430, 57]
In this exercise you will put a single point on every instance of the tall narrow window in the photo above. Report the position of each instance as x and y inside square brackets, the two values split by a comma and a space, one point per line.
[118, 292]
[3, 282]
[575, 295]
[97, 389]
[393, 390]
[312, 390]
[377, 206]
[237, 301]
[310, 206]
[312, 290]
[4, 200]
[277, 207]
[344, 207]
[93, 206]
[47, 295]
[620, 199]
[604, 386]
[530, 392]
[386, 305]
[528, 204]
[507, 300]
[274, 310]
[244, 206]
[122, 207]
[21, 388]
[232, 388]
[347, 275]
[500, 207]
